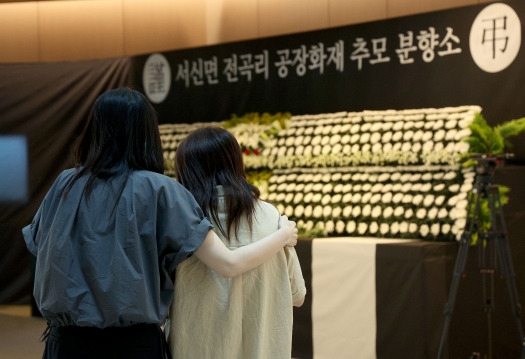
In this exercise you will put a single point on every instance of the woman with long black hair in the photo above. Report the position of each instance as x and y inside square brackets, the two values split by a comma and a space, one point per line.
[110, 233]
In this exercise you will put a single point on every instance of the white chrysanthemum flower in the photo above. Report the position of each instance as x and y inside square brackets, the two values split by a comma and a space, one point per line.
[417, 136]
[327, 211]
[397, 136]
[350, 227]
[282, 151]
[412, 227]
[337, 148]
[375, 198]
[355, 129]
[409, 213]
[387, 137]
[329, 226]
[421, 213]
[407, 198]
[326, 199]
[355, 148]
[309, 225]
[384, 228]
[439, 187]
[272, 196]
[451, 135]
[290, 141]
[347, 211]
[425, 187]
[317, 197]
[290, 151]
[439, 200]
[394, 228]
[466, 188]
[407, 136]
[340, 227]
[403, 227]
[316, 140]
[336, 198]
[387, 197]
[327, 188]
[373, 228]
[435, 229]
[454, 188]
[299, 187]
[461, 213]
[406, 147]
[308, 151]
[443, 213]
[427, 136]
[280, 207]
[462, 134]
[356, 198]
[345, 139]
[398, 212]
[461, 147]
[383, 177]
[427, 146]
[338, 188]
[362, 228]
[429, 200]
[406, 186]
[299, 150]
[366, 197]
[396, 176]
[398, 197]
[317, 187]
[445, 228]
[367, 210]
[432, 213]
[375, 138]
[387, 126]
[387, 212]
[424, 230]
[299, 211]
[289, 197]
[460, 223]
[426, 177]
[280, 197]
[289, 210]
[308, 197]
[356, 211]
[462, 204]
[336, 212]
[347, 197]
[308, 186]
[325, 140]
[453, 214]
[298, 198]
[416, 187]
[398, 126]
[355, 138]
[318, 211]
[317, 150]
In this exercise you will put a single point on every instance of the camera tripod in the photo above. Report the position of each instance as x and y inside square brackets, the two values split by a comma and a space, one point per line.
[490, 242]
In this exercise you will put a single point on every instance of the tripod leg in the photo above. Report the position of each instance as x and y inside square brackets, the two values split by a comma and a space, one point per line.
[505, 259]
[459, 268]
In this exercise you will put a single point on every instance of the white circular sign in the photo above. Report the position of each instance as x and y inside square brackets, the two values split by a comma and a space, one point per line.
[156, 78]
[495, 37]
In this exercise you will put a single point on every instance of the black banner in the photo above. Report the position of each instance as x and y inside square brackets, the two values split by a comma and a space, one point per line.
[465, 56]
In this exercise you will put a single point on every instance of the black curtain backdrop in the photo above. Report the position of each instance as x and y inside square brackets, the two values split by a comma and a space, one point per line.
[48, 104]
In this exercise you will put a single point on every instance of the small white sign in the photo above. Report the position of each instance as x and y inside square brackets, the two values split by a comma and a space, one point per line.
[156, 78]
[495, 37]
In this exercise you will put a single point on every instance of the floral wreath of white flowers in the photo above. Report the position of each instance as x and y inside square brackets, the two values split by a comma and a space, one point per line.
[393, 174]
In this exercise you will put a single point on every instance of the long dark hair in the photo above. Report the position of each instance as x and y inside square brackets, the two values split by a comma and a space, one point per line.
[121, 132]
[209, 157]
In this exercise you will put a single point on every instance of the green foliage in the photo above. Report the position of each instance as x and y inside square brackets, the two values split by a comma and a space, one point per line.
[276, 121]
[485, 139]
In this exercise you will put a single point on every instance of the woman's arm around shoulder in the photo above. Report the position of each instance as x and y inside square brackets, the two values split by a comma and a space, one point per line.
[230, 263]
